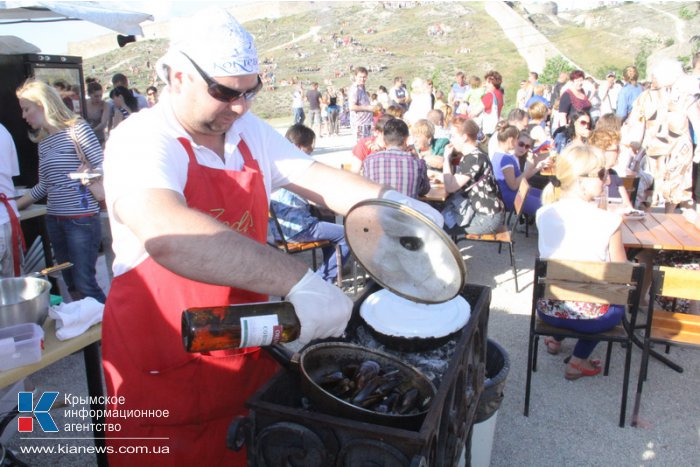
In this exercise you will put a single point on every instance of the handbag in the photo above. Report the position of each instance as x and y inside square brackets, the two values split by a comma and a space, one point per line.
[458, 209]
[95, 185]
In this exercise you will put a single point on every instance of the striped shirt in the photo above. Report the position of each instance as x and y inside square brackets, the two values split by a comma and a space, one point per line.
[359, 96]
[58, 158]
[400, 170]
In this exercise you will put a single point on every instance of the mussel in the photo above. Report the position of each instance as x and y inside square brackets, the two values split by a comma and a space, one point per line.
[373, 387]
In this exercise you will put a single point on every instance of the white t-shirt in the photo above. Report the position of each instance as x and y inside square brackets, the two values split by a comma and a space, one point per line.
[574, 230]
[9, 167]
[143, 153]
[493, 145]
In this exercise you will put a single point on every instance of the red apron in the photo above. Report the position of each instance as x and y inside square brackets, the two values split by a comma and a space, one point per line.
[17, 236]
[144, 359]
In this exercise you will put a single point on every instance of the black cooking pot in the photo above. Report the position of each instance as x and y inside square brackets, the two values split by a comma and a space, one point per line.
[321, 359]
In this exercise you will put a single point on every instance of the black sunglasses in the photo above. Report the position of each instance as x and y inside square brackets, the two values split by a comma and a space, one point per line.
[584, 123]
[524, 145]
[601, 174]
[224, 93]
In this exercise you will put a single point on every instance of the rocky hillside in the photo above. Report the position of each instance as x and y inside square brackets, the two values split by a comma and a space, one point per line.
[431, 40]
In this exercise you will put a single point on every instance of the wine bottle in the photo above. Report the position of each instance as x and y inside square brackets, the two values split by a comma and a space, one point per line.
[239, 326]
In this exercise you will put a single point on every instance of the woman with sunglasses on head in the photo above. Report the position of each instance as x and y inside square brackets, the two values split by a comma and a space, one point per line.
[72, 216]
[506, 168]
[571, 227]
[577, 131]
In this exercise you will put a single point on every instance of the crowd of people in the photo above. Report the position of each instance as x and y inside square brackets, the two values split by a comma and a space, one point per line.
[589, 135]
[189, 225]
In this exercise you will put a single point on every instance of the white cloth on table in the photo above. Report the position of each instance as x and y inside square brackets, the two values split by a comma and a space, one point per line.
[74, 318]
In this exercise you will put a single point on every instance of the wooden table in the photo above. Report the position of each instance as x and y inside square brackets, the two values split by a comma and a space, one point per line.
[55, 350]
[547, 172]
[659, 231]
[437, 194]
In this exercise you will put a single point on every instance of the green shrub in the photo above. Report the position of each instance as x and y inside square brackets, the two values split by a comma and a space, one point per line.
[553, 67]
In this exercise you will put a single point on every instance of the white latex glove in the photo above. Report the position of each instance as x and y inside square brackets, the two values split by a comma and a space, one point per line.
[423, 208]
[322, 308]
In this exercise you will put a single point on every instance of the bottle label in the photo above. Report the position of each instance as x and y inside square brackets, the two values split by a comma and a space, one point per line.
[260, 330]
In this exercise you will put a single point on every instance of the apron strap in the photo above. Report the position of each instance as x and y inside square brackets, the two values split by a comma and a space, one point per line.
[245, 152]
[242, 147]
[17, 236]
[188, 147]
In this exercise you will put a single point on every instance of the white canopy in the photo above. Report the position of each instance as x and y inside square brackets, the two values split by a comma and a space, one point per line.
[122, 21]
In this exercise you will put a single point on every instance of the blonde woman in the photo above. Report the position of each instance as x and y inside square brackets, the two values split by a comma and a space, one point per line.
[72, 218]
[571, 227]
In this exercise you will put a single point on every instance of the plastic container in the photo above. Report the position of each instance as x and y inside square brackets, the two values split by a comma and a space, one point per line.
[497, 368]
[20, 345]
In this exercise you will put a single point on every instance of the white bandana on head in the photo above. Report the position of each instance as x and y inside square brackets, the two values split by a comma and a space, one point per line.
[215, 41]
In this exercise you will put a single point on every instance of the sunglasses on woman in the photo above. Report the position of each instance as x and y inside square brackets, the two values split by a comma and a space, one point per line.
[584, 123]
[524, 145]
[600, 174]
[224, 93]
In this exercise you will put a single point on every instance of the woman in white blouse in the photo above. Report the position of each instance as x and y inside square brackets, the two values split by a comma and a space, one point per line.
[572, 227]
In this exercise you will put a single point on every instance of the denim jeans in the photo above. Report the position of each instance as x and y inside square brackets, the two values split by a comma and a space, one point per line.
[335, 233]
[299, 115]
[77, 240]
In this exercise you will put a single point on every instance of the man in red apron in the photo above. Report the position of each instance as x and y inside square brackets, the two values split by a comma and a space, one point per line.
[188, 183]
[11, 238]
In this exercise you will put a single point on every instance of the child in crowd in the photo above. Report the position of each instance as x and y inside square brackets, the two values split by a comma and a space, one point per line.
[297, 222]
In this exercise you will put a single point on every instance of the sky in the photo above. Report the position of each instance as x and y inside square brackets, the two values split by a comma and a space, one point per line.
[53, 38]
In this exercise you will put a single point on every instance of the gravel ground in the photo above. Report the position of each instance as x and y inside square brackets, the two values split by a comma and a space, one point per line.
[570, 423]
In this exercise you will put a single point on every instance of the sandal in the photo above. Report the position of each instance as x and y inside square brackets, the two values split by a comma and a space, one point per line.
[580, 371]
[553, 345]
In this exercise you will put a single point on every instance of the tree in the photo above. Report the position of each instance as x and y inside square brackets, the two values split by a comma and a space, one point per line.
[553, 68]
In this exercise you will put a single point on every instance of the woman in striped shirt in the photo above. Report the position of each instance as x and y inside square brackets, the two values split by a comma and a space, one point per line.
[72, 218]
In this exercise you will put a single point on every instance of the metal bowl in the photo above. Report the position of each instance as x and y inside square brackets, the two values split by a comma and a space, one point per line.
[24, 300]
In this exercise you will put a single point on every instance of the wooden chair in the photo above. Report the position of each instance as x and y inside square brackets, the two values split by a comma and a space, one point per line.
[631, 185]
[504, 234]
[299, 247]
[668, 327]
[596, 282]
[523, 190]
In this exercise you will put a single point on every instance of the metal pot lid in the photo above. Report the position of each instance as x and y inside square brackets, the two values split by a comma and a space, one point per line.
[381, 309]
[404, 251]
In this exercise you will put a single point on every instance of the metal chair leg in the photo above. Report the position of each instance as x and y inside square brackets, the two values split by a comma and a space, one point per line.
[608, 353]
[531, 357]
[534, 357]
[625, 383]
[512, 263]
[640, 383]
[339, 266]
